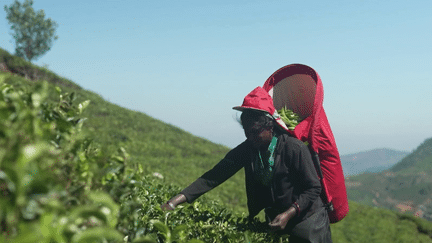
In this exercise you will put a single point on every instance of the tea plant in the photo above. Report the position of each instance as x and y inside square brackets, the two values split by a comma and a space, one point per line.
[67, 179]
[45, 172]
[58, 186]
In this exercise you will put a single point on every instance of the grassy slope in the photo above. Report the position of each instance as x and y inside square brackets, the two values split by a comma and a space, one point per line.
[178, 155]
[371, 224]
[407, 182]
[182, 157]
[415, 160]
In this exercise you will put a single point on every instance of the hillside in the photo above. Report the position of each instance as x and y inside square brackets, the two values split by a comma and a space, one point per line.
[406, 187]
[178, 155]
[416, 161]
[373, 161]
[118, 184]
[373, 224]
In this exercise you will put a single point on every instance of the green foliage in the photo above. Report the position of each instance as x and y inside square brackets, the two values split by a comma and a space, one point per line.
[178, 155]
[46, 171]
[33, 33]
[21, 67]
[202, 221]
[407, 182]
[414, 160]
[52, 184]
[67, 179]
[366, 224]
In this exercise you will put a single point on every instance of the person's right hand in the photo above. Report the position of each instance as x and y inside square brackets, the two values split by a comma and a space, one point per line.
[281, 220]
[173, 202]
[166, 206]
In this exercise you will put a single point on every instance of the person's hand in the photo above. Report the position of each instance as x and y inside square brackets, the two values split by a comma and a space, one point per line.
[167, 206]
[281, 220]
[173, 202]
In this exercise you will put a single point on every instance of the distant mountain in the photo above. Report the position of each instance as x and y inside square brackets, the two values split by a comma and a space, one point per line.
[405, 187]
[374, 161]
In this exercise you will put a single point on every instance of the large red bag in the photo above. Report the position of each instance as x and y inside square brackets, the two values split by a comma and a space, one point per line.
[298, 87]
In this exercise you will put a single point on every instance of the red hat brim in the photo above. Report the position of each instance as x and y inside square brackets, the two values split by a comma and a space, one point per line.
[243, 108]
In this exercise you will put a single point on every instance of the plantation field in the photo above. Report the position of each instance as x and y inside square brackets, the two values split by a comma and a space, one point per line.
[75, 168]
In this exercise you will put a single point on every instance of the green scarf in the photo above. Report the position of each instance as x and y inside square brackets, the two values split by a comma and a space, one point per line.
[264, 164]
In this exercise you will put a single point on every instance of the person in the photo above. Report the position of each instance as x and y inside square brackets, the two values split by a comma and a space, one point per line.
[279, 172]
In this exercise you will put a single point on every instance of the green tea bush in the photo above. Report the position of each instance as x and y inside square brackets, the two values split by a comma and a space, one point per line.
[45, 173]
[142, 220]
[58, 186]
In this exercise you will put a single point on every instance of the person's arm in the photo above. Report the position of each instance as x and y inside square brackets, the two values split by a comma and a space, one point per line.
[223, 170]
[211, 179]
[306, 176]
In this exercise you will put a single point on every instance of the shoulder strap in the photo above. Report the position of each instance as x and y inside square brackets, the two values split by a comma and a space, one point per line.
[315, 159]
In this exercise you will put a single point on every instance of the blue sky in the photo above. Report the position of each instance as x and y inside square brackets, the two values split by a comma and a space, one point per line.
[188, 63]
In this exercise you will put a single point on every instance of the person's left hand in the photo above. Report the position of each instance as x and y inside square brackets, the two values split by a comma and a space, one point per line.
[280, 221]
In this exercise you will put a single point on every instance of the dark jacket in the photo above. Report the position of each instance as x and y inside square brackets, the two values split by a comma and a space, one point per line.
[294, 180]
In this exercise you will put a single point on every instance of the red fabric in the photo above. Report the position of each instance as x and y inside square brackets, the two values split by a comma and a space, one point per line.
[315, 129]
[258, 99]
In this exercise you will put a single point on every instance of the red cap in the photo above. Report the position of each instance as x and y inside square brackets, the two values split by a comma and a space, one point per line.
[259, 99]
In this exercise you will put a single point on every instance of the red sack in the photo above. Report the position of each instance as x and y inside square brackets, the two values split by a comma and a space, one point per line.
[299, 88]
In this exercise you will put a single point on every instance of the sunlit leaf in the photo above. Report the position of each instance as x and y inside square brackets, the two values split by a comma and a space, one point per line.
[31, 152]
[102, 198]
[36, 100]
[88, 211]
[161, 227]
[82, 106]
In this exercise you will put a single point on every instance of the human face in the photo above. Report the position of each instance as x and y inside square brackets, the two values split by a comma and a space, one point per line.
[258, 137]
